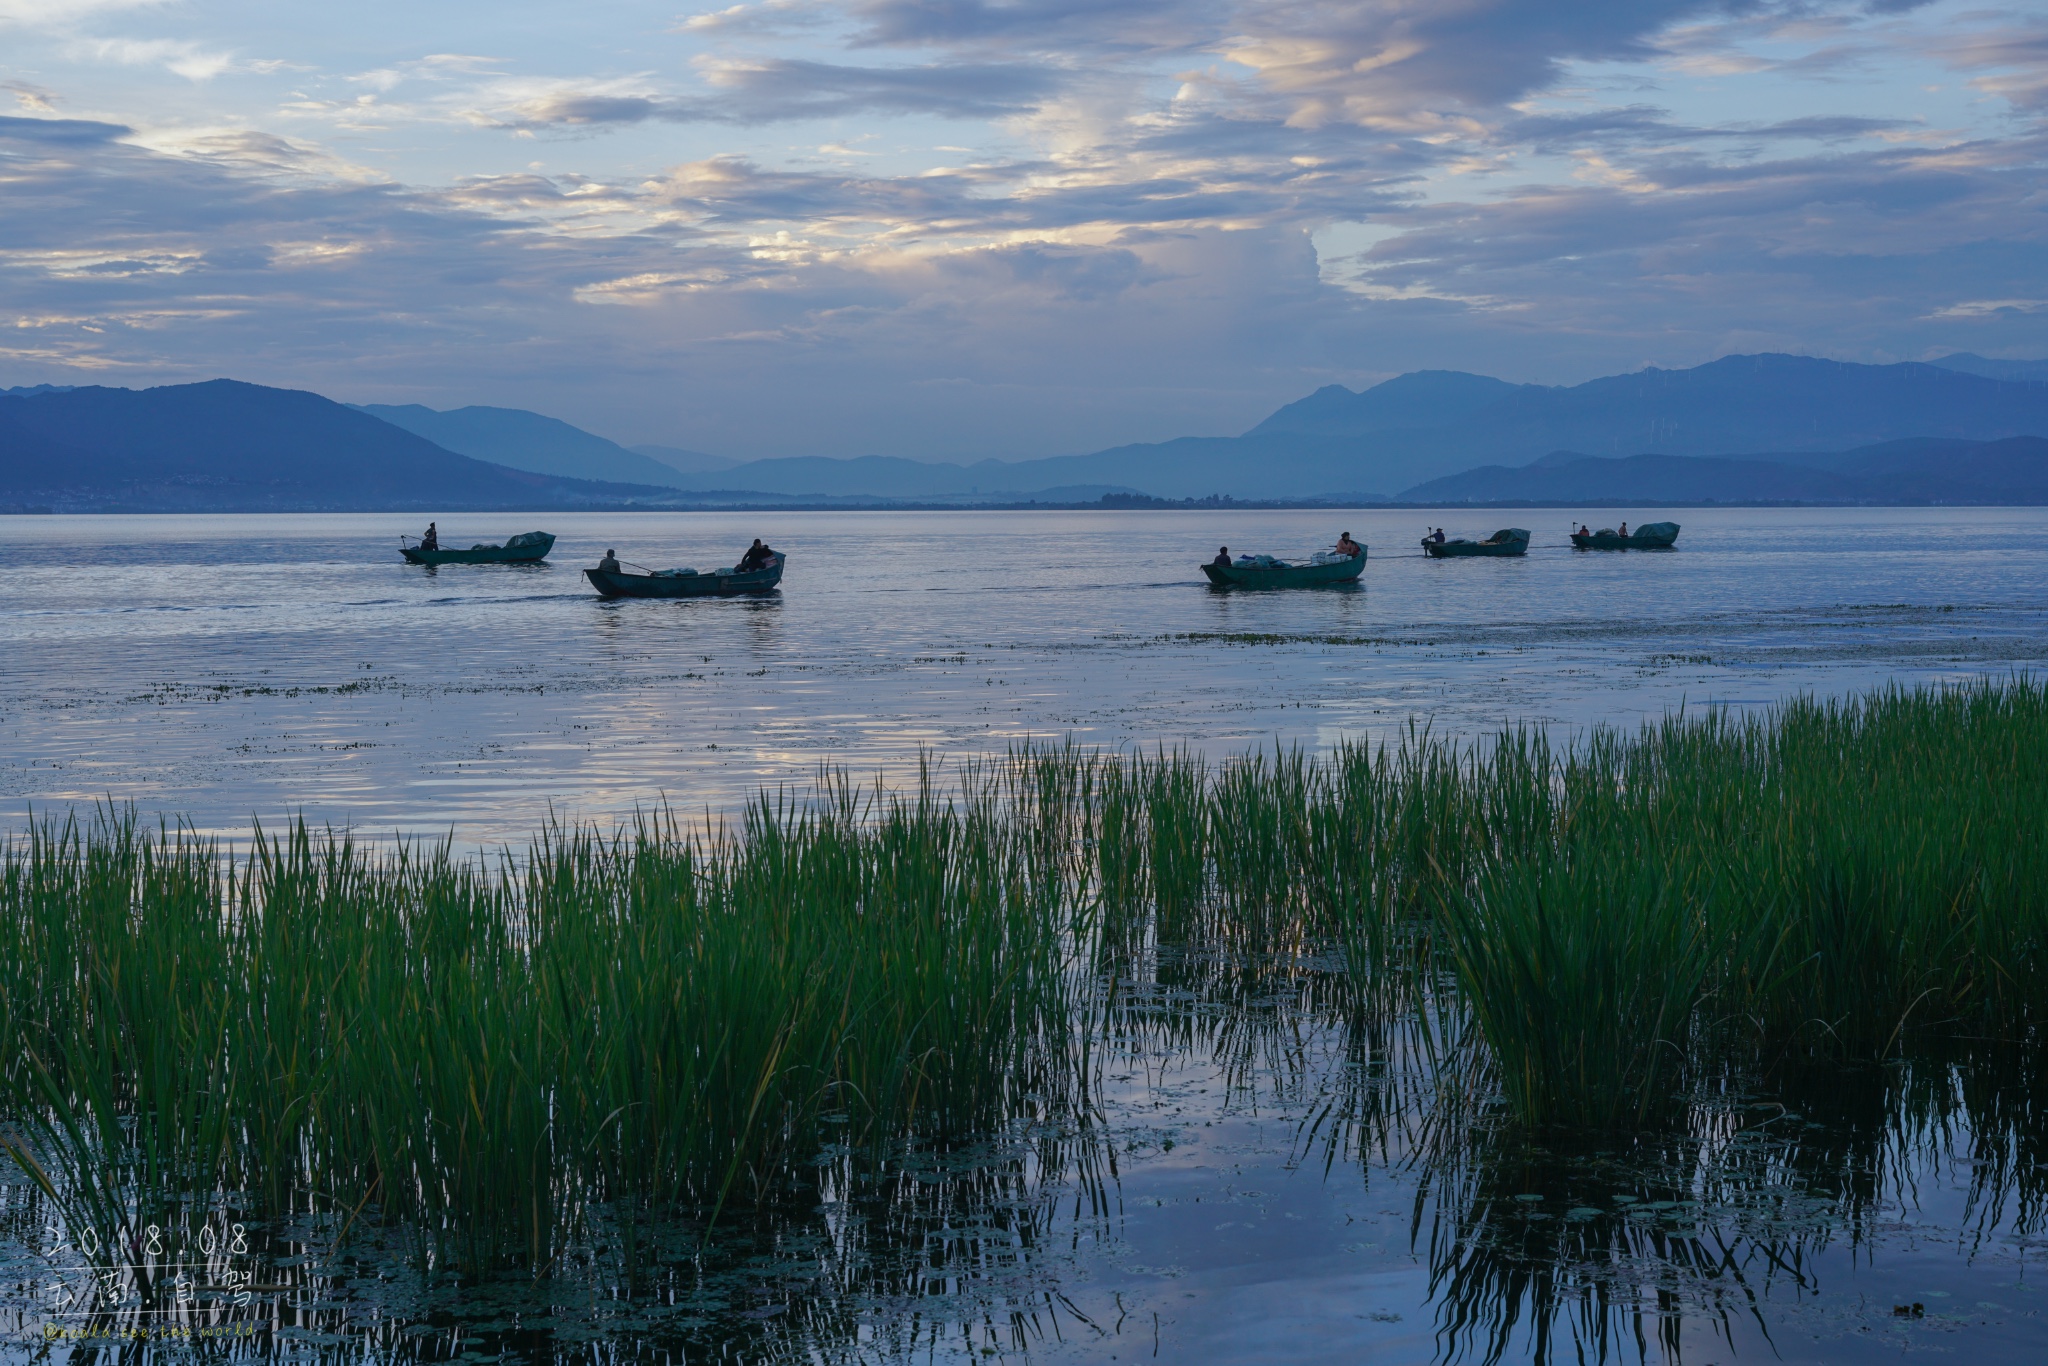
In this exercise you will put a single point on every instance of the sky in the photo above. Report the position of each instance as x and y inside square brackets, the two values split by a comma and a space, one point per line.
[954, 229]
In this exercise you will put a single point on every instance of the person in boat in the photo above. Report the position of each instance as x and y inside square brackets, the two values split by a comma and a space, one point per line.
[432, 540]
[1623, 533]
[1437, 536]
[1222, 560]
[1349, 548]
[610, 563]
[757, 557]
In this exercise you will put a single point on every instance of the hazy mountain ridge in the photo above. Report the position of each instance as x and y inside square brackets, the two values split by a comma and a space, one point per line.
[1924, 470]
[1428, 425]
[2034, 371]
[524, 440]
[223, 445]
[1828, 431]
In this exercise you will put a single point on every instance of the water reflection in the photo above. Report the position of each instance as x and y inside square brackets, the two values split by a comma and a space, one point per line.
[203, 666]
[1243, 1102]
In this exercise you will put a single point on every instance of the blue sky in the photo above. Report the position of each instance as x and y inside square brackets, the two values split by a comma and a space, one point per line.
[962, 228]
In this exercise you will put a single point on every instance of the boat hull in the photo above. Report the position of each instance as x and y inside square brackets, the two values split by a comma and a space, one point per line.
[613, 584]
[1656, 536]
[1294, 576]
[490, 554]
[1514, 542]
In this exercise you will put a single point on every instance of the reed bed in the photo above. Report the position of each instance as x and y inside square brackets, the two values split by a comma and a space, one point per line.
[509, 1059]
[1709, 898]
[613, 1027]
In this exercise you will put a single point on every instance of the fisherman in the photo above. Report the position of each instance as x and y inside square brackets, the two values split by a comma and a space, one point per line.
[610, 563]
[1349, 548]
[432, 540]
[1438, 536]
[1222, 560]
[1623, 533]
[757, 557]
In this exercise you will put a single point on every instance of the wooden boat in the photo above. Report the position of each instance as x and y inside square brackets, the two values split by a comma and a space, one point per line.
[1651, 536]
[526, 548]
[1507, 541]
[719, 583]
[1286, 576]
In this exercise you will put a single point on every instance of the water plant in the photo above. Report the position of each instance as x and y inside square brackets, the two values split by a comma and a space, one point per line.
[500, 1059]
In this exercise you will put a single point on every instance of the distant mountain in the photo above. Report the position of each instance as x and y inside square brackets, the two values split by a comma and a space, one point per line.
[1640, 479]
[689, 462]
[524, 441]
[1422, 400]
[1925, 470]
[2025, 371]
[229, 446]
[1737, 403]
[1424, 426]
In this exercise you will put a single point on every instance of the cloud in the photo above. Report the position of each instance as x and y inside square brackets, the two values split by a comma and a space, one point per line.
[60, 132]
[63, 15]
[768, 91]
[188, 59]
[1407, 63]
[1120, 238]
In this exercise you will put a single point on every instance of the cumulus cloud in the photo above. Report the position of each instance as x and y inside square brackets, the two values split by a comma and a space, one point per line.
[1175, 214]
[63, 14]
[763, 90]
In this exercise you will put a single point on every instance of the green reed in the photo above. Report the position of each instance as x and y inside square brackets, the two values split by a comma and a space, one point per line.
[1710, 894]
[1635, 913]
[612, 1027]
[507, 1060]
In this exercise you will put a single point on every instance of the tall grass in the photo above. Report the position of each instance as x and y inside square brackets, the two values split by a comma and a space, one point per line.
[617, 1027]
[1635, 912]
[614, 1026]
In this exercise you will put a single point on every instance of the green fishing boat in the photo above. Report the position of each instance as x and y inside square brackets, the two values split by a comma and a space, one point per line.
[526, 548]
[1281, 574]
[686, 583]
[1507, 541]
[1652, 536]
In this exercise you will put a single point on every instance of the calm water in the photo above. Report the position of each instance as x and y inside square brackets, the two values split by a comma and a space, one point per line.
[231, 668]
[1260, 1187]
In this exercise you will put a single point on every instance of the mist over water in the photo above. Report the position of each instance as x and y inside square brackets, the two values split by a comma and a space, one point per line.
[230, 668]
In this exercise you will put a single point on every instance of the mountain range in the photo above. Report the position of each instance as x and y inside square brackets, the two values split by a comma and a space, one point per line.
[228, 446]
[1921, 470]
[1768, 428]
[1396, 437]
[1388, 441]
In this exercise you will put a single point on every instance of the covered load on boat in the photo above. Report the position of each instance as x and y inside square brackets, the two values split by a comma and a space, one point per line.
[687, 583]
[1267, 571]
[525, 548]
[1507, 541]
[1649, 536]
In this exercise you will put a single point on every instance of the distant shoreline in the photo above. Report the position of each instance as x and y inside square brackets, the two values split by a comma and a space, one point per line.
[1147, 505]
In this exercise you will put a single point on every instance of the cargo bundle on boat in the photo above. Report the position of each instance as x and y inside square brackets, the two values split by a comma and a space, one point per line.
[1651, 536]
[1264, 571]
[525, 548]
[1507, 541]
[687, 583]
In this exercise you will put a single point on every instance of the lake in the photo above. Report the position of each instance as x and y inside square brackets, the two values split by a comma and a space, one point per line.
[1262, 1181]
[229, 668]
